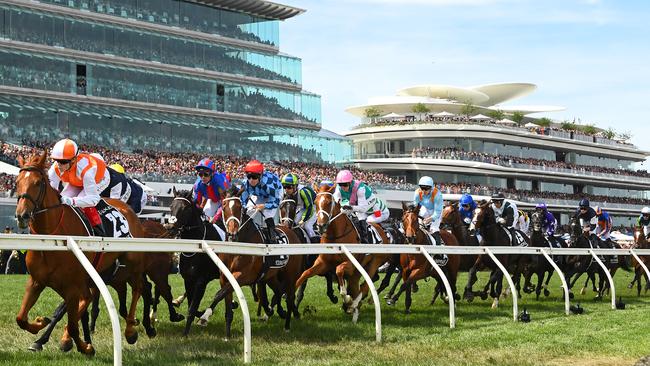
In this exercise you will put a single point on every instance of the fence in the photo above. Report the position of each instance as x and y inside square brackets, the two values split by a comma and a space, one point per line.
[77, 245]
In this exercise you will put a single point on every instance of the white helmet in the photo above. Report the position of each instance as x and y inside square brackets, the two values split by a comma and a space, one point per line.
[645, 210]
[426, 181]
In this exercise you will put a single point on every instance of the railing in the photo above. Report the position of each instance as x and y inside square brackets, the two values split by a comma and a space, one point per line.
[77, 244]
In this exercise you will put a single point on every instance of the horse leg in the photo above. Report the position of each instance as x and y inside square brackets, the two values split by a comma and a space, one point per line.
[76, 304]
[45, 337]
[471, 279]
[193, 303]
[164, 290]
[340, 275]
[291, 306]
[229, 314]
[179, 300]
[540, 281]
[263, 303]
[33, 290]
[131, 332]
[146, 308]
[85, 326]
[226, 289]
[406, 274]
[318, 269]
[390, 293]
[386, 281]
[120, 288]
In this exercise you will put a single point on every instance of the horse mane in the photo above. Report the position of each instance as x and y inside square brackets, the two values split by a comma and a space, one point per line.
[184, 193]
[234, 191]
[34, 160]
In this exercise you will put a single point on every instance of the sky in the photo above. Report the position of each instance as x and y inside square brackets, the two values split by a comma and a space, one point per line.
[590, 56]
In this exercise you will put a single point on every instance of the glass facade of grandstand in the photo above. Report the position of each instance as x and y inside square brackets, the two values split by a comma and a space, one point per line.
[178, 87]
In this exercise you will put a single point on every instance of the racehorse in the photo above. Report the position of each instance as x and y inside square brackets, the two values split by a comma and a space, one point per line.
[39, 207]
[539, 265]
[484, 221]
[287, 214]
[249, 270]
[336, 227]
[640, 242]
[417, 267]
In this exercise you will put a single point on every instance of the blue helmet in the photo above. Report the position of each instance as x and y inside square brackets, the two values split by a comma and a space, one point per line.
[205, 164]
[584, 203]
[541, 206]
[466, 199]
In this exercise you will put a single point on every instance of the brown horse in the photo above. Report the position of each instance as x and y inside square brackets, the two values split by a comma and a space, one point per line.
[417, 267]
[452, 220]
[39, 207]
[249, 270]
[640, 242]
[336, 227]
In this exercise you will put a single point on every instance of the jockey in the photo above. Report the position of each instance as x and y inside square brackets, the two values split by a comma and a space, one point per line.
[209, 189]
[549, 222]
[359, 198]
[587, 217]
[305, 211]
[129, 188]
[604, 227]
[429, 199]
[506, 212]
[466, 207]
[523, 221]
[644, 221]
[83, 176]
[267, 189]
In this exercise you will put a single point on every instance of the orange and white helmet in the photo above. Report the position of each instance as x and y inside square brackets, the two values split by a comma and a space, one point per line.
[65, 149]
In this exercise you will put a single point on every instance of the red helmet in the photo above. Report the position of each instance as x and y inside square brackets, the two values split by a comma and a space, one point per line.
[254, 166]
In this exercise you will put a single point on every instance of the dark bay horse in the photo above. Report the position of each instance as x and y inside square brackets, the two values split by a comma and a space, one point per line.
[539, 265]
[39, 207]
[492, 234]
[249, 270]
[287, 214]
[640, 242]
[417, 267]
[336, 227]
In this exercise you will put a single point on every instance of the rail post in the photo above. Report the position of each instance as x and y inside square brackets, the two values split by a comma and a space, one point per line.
[445, 281]
[513, 290]
[240, 296]
[373, 291]
[565, 286]
[609, 278]
[645, 268]
[108, 300]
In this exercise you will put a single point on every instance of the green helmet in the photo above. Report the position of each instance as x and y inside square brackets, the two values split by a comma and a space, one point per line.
[290, 179]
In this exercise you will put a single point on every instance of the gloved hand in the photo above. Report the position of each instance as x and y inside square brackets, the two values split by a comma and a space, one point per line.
[501, 221]
[67, 200]
[346, 208]
[467, 220]
[428, 220]
[301, 223]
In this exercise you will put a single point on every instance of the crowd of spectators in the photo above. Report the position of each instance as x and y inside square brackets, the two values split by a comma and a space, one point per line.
[202, 20]
[178, 167]
[509, 161]
[164, 50]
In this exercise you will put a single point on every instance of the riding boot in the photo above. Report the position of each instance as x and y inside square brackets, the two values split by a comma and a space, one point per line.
[438, 242]
[98, 230]
[270, 229]
[364, 232]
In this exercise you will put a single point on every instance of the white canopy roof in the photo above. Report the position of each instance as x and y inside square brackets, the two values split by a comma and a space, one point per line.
[443, 114]
[506, 121]
[393, 115]
[480, 116]
[531, 125]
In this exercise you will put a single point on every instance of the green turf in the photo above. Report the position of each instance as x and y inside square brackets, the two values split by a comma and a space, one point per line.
[327, 336]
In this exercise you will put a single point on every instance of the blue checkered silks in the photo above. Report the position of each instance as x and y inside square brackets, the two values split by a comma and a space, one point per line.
[269, 189]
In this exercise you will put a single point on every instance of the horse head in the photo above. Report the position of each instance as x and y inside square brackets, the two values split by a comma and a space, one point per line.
[410, 221]
[33, 189]
[451, 216]
[288, 209]
[184, 214]
[536, 221]
[327, 209]
[233, 212]
[640, 240]
[483, 216]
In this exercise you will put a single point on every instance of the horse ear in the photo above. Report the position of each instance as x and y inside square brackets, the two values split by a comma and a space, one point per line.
[404, 207]
[41, 159]
[174, 191]
[239, 193]
[21, 161]
[315, 187]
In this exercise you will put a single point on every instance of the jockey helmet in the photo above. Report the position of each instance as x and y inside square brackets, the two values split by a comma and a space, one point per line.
[599, 211]
[344, 176]
[254, 166]
[426, 181]
[645, 210]
[326, 183]
[290, 179]
[466, 199]
[541, 206]
[205, 164]
[117, 167]
[584, 203]
[65, 149]
[498, 197]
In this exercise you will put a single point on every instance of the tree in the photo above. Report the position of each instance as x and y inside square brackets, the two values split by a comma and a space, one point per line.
[496, 115]
[420, 109]
[589, 129]
[544, 122]
[624, 136]
[609, 133]
[372, 113]
[468, 108]
[569, 126]
[518, 117]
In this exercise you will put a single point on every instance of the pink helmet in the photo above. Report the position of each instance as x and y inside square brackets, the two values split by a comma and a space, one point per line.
[344, 176]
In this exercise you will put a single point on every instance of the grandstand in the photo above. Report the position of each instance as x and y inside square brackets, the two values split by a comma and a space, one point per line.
[466, 134]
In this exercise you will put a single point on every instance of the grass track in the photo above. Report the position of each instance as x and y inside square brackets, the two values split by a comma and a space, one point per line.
[483, 336]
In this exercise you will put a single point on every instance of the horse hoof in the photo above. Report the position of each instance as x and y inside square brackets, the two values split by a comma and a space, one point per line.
[89, 351]
[407, 311]
[547, 293]
[286, 330]
[66, 346]
[484, 296]
[282, 314]
[457, 297]
[571, 295]
[334, 299]
[132, 338]
[151, 333]
[176, 318]
[415, 288]
[202, 322]
[390, 302]
[630, 286]
[347, 299]
[235, 305]
[36, 347]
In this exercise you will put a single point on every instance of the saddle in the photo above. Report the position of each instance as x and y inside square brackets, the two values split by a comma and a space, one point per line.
[440, 259]
[114, 223]
[276, 261]
[518, 239]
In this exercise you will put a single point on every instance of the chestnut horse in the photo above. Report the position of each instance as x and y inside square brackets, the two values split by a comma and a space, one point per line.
[336, 227]
[39, 207]
[640, 242]
[417, 267]
[249, 270]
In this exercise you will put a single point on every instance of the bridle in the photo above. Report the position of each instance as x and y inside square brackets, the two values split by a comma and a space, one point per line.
[38, 202]
[236, 219]
[330, 219]
[186, 228]
[288, 218]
